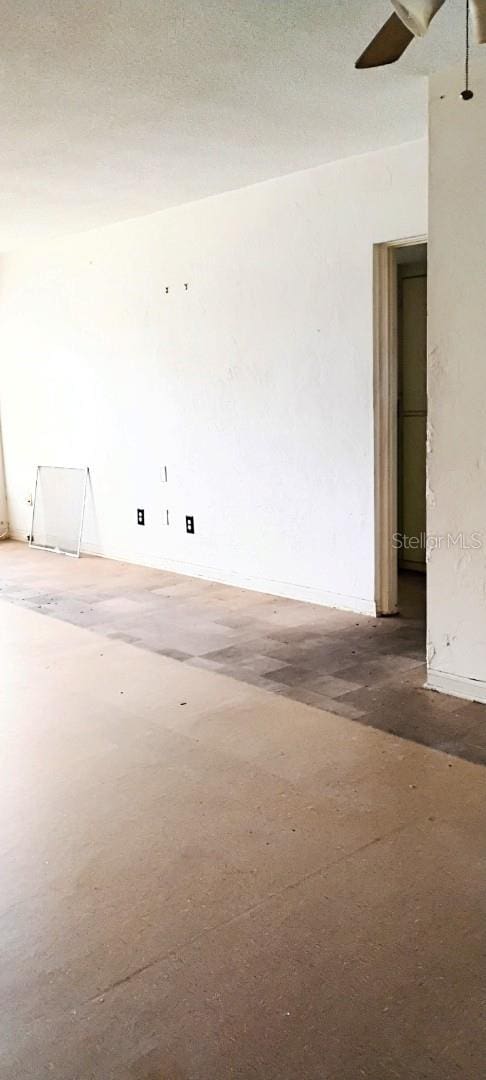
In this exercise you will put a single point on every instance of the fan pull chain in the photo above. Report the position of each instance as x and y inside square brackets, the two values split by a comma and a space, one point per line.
[467, 94]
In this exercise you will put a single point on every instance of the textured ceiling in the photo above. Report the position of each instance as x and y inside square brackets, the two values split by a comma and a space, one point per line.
[114, 108]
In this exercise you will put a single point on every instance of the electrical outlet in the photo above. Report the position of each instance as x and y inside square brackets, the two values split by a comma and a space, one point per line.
[140, 517]
[189, 523]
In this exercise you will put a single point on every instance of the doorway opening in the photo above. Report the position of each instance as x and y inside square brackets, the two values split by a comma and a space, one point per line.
[400, 406]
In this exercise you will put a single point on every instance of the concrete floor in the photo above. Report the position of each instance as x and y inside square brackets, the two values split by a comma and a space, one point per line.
[364, 669]
[202, 878]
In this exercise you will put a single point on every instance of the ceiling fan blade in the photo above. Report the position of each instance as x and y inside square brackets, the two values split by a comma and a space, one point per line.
[387, 45]
[417, 15]
[478, 11]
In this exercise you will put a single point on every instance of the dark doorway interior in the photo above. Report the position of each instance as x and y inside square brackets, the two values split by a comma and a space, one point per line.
[412, 429]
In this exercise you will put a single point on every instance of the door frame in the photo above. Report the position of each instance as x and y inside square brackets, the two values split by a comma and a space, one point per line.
[385, 397]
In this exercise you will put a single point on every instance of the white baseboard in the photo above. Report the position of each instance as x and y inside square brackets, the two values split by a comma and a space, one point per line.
[307, 593]
[17, 534]
[457, 686]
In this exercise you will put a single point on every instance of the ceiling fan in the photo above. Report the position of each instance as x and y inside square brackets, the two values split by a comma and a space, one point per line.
[410, 20]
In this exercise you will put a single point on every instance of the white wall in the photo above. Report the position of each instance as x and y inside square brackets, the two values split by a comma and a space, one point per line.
[254, 386]
[3, 496]
[457, 384]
